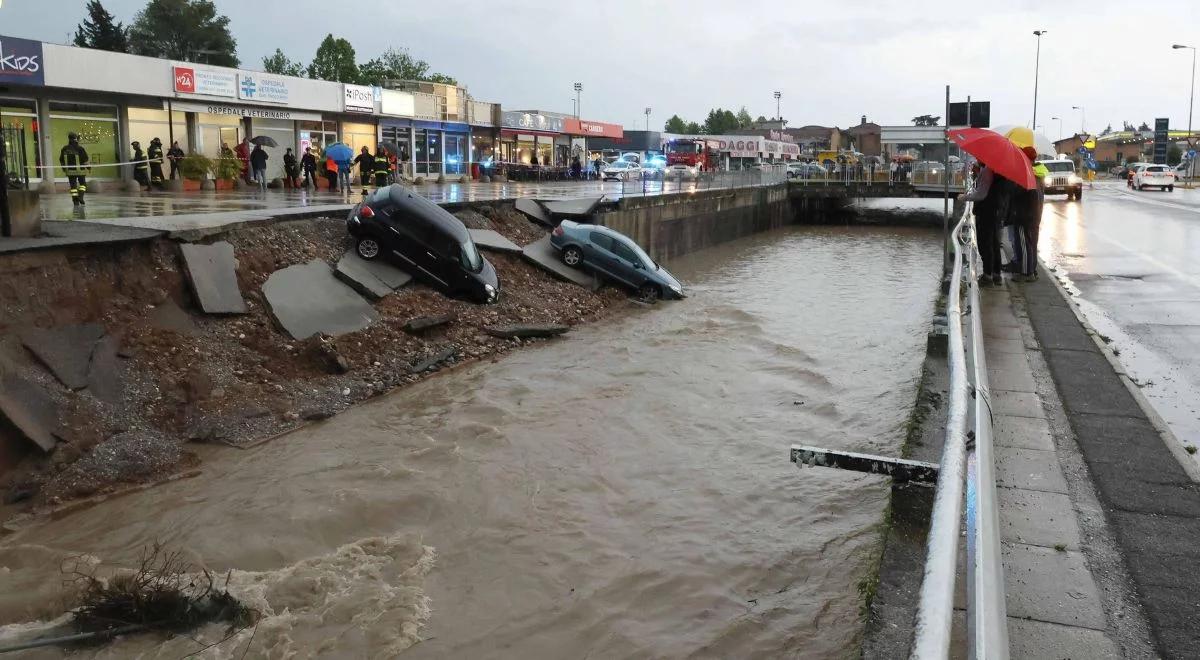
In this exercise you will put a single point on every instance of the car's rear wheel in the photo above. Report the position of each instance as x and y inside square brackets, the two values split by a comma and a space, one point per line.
[572, 256]
[1170, 188]
[649, 292]
[367, 248]
[1142, 187]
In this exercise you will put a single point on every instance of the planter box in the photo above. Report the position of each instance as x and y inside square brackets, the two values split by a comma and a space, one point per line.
[190, 185]
[25, 212]
[225, 184]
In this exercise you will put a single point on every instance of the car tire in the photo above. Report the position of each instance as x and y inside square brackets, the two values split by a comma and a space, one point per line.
[1170, 188]
[572, 256]
[1142, 187]
[367, 248]
[649, 292]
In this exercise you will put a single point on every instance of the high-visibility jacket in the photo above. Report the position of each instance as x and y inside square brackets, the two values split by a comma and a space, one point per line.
[73, 158]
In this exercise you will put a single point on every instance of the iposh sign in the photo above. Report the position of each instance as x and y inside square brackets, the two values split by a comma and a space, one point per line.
[191, 79]
[358, 98]
[21, 62]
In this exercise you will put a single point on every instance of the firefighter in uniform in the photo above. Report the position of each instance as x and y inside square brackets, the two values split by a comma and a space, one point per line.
[140, 168]
[382, 168]
[155, 154]
[366, 167]
[73, 159]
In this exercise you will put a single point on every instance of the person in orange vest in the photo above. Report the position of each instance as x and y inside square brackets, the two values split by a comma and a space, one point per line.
[331, 173]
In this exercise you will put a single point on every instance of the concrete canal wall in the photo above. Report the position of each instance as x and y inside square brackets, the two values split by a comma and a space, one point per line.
[671, 225]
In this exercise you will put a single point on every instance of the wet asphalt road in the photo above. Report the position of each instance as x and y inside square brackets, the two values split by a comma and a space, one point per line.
[1133, 260]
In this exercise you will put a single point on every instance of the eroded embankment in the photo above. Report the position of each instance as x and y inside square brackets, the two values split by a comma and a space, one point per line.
[173, 376]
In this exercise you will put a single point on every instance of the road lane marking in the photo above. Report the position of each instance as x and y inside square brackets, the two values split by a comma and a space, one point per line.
[1189, 279]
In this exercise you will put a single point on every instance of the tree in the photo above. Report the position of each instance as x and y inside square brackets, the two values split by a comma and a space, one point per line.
[744, 119]
[188, 30]
[676, 124]
[926, 120]
[334, 61]
[693, 128]
[1174, 155]
[399, 64]
[720, 121]
[280, 64]
[99, 30]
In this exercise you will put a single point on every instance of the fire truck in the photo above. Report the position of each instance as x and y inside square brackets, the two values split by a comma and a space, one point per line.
[698, 155]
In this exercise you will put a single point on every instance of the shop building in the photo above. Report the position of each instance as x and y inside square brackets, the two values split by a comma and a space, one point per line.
[112, 99]
[525, 135]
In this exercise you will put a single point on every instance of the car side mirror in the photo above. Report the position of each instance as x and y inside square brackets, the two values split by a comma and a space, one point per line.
[639, 265]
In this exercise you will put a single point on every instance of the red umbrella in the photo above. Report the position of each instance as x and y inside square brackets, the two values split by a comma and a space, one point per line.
[998, 153]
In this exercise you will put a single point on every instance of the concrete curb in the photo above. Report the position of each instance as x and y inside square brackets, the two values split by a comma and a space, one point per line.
[1168, 437]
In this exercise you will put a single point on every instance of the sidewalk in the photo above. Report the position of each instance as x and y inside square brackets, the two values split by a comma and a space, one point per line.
[1055, 609]
[1150, 502]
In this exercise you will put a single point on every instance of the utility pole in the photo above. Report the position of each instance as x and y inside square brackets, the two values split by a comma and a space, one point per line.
[946, 183]
[578, 103]
[1191, 100]
[1037, 63]
[647, 119]
[778, 114]
[1082, 118]
[1060, 128]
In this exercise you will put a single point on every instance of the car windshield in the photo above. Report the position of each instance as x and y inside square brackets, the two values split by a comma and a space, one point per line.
[471, 257]
[1157, 168]
[619, 165]
[1059, 166]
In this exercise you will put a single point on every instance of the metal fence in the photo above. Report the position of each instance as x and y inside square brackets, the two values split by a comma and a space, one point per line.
[967, 474]
[655, 184]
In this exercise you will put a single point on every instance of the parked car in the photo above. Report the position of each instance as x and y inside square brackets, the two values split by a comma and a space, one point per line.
[1061, 178]
[1151, 176]
[425, 240]
[654, 169]
[614, 256]
[681, 171]
[622, 170]
[806, 171]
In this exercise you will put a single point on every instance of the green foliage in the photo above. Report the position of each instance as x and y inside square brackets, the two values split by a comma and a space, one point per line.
[675, 124]
[926, 120]
[399, 64]
[744, 119]
[719, 122]
[693, 128]
[100, 30]
[334, 61]
[226, 168]
[195, 167]
[280, 64]
[188, 30]
[1174, 155]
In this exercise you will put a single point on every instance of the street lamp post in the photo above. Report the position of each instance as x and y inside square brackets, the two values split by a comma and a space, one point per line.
[1060, 128]
[647, 119]
[1191, 100]
[578, 106]
[1037, 64]
[778, 114]
[1082, 118]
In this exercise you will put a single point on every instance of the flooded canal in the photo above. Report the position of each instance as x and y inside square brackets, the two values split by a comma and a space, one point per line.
[624, 492]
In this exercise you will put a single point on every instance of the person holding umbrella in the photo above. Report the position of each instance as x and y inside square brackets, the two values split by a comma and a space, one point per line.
[258, 163]
[1005, 170]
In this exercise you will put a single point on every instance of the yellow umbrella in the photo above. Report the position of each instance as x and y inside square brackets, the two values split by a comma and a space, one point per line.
[1024, 137]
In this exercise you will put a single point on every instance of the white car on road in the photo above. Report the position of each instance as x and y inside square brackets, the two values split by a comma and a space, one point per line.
[1155, 176]
[681, 171]
[622, 170]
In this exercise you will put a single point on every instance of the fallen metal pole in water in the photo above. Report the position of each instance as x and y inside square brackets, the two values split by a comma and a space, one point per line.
[899, 469]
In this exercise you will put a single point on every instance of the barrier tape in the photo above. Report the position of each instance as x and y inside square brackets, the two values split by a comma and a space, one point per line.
[89, 166]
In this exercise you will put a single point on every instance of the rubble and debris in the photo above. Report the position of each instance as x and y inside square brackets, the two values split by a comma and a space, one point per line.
[211, 274]
[65, 350]
[306, 299]
[518, 331]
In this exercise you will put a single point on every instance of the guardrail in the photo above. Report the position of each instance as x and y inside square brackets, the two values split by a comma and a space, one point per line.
[967, 467]
[654, 184]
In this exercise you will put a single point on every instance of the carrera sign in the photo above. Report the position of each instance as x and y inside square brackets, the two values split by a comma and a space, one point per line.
[21, 62]
[592, 128]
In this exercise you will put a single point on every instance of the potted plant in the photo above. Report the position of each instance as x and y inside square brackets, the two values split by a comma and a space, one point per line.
[225, 170]
[194, 168]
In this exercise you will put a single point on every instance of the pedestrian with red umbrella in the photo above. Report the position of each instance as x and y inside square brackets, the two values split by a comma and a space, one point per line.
[1006, 170]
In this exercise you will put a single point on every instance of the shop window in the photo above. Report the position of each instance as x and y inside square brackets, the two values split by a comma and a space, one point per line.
[456, 158]
[19, 121]
[98, 134]
[435, 150]
[146, 124]
[421, 152]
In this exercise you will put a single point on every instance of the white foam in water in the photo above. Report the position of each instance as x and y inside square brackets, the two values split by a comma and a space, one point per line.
[365, 599]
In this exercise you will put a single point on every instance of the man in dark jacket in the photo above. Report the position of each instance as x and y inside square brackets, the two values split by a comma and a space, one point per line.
[258, 165]
[366, 167]
[73, 159]
[155, 154]
[382, 168]
[309, 163]
[990, 195]
[174, 155]
[140, 168]
[291, 169]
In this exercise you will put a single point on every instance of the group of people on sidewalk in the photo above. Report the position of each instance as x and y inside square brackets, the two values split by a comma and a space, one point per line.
[1004, 206]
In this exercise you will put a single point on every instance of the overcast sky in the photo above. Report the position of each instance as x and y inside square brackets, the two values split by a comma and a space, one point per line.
[833, 61]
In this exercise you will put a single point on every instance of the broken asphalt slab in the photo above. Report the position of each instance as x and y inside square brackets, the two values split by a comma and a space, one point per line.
[489, 239]
[432, 360]
[573, 208]
[545, 256]
[374, 279]
[66, 350]
[526, 331]
[30, 410]
[212, 273]
[534, 210]
[422, 323]
[306, 299]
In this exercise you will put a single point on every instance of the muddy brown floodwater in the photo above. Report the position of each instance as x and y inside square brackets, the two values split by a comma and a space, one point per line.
[624, 492]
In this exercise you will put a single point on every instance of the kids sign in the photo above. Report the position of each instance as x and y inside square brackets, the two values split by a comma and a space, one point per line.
[21, 62]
